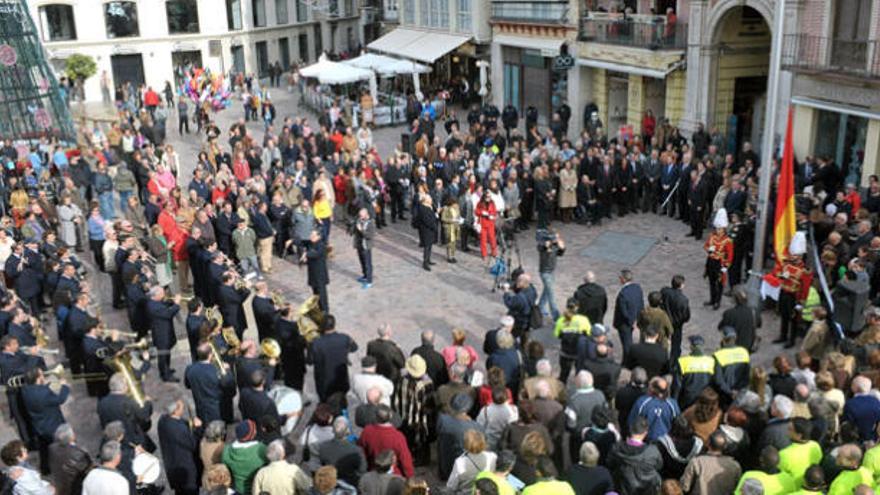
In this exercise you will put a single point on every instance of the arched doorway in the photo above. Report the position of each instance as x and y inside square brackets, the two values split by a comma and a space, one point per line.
[741, 43]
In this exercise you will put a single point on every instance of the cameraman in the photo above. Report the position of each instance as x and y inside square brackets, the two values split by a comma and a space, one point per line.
[550, 247]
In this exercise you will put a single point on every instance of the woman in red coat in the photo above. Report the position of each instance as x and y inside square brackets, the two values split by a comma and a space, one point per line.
[176, 238]
[241, 168]
[486, 213]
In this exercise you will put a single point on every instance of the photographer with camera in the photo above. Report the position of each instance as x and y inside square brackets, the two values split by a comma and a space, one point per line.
[550, 247]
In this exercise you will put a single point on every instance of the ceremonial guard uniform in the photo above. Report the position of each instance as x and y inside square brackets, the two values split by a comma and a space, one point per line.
[692, 374]
[720, 255]
[794, 280]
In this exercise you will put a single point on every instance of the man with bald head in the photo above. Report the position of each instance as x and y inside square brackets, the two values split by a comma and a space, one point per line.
[436, 365]
[365, 414]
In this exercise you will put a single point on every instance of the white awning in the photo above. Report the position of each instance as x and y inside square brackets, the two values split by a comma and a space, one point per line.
[835, 107]
[387, 66]
[424, 46]
[629, 69]
[549, 46]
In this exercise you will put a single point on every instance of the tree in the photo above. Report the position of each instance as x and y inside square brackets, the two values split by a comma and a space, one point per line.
[80, 67]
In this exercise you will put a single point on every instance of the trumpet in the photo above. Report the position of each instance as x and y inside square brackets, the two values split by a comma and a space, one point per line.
[108, 332]
[40, 350]
[183, 299]
[105, 352]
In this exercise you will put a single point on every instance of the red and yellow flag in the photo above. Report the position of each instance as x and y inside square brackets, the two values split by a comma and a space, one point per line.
[785, 225]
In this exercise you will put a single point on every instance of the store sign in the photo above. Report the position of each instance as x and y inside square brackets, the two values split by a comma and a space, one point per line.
[563, 62]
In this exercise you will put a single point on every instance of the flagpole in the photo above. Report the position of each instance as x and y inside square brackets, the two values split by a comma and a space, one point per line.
[757, 271]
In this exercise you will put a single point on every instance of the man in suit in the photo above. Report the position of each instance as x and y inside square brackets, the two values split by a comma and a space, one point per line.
[676, 305]
[119, 406]
[669, 175]
[652, 170]
[741, 318]
[630, 302]
[436, 365]
[195, 320]
[265, 312]
[293, 349]
[180, 449]
[362, 237]
[79, 321]
[26, 277]
[231, 302]
[43, 406]
[319, 278]
[389, 358]
[330, 359]
[212, 390]
[592, 299]
[649, 354]
[605, 186]
[253, 402]
[161, 314]
[14, 362]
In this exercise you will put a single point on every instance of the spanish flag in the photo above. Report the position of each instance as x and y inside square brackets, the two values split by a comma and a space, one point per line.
[785, 225]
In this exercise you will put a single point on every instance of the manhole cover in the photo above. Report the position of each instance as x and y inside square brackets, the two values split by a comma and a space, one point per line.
[626, 249]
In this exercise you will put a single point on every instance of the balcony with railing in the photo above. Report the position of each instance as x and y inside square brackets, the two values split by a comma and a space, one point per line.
[820, 54]
[538, 12]
[639, 31]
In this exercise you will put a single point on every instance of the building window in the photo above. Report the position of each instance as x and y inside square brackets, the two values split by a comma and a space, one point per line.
[442, 20]
[262, 58]
[852, 26]
[57, 23]
[303, 47]
[463, 21]
[425, 14]
[409, 11]
[233, 14]
[121, 19]
[349, 8]
[435, 13]
[284, 51]
[319, 42]
[333, 8]
[281, 12]
[259, 7]
[302, 11]
[183, 16]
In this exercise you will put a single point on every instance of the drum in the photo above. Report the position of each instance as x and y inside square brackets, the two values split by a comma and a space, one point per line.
[147, 467]
[287, 400]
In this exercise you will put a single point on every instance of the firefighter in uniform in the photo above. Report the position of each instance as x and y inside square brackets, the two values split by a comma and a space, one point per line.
[719, 248]
[732, 366]
[570, 329]
[794, 284]
[692, 373]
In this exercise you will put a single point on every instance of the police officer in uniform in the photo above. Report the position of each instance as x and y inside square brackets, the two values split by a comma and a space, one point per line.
[719, 248]
[732, 366]
[794, 284]
[692, 373]
[570, 329]
[14, 362]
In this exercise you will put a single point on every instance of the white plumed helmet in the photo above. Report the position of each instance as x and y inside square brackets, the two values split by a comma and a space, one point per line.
[720, 221]
[798, 244]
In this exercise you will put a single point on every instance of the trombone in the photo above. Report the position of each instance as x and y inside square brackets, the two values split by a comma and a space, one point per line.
[106, 352]
[108, 332]
[58, 371]
[40, 350]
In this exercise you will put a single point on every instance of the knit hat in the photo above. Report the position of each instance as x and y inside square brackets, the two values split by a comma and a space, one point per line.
[416, 366]
[245, 431]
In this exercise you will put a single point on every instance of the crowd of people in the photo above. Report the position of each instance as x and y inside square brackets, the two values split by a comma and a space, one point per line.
[644, 418]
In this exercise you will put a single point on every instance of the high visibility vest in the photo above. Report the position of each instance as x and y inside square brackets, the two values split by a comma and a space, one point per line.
[696, 364]
[812, 302]
[732, 355]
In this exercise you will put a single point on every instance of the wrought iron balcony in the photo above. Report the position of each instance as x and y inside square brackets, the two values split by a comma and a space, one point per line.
[538, 12]
[637, 31]
[819, 54]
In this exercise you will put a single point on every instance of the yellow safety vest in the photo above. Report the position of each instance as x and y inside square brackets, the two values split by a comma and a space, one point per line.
[813, 301]
[696, 364]
[732, 355]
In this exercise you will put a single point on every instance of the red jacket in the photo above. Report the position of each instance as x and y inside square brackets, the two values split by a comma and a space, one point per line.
[242, 171]
[377, 438]
[486, 214]
[151, 98]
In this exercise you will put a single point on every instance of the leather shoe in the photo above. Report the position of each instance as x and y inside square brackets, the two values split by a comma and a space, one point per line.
[780, 341]
[426, 267]
[171, 379]
[431, 263]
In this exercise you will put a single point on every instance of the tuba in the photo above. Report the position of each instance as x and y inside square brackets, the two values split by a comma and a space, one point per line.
[214, 315]
[122, 364]
[311, 319]
[231, 339]
[270, 348]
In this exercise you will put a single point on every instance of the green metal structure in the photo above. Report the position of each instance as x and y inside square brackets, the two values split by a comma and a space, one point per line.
[31, 104]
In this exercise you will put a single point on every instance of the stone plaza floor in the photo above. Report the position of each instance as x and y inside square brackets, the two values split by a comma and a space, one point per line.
[451, 295]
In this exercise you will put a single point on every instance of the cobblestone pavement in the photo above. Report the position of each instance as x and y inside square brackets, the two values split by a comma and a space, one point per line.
[412, 300]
